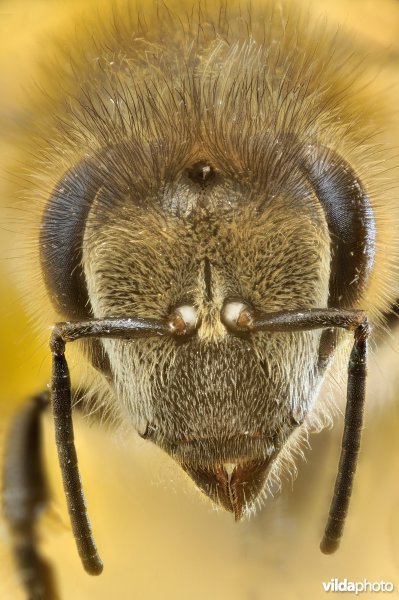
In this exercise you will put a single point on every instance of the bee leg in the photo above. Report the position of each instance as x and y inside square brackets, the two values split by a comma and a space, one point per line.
[25, 494]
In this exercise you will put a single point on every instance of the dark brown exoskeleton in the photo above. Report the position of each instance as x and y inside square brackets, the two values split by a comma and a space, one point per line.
[207, 245]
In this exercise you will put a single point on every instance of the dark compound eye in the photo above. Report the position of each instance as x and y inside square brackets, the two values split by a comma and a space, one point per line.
[61, 239]
[201, 172]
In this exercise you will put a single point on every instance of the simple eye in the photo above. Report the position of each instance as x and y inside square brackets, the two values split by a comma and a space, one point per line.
[201, 173]
[183, 320]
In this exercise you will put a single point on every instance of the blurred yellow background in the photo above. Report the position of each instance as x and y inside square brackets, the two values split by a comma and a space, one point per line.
[158, 537]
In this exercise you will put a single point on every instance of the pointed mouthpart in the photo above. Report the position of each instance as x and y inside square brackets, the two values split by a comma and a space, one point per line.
[234, 486]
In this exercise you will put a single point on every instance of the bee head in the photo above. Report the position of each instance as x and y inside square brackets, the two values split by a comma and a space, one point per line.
[197, 252]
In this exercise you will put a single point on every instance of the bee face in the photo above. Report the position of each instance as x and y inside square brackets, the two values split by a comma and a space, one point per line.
[202, 171]
[212, 397]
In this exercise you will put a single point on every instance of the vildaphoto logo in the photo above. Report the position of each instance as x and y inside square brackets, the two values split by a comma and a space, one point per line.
[357, 587]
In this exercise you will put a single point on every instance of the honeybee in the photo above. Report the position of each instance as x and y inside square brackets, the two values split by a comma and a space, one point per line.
[216, 233]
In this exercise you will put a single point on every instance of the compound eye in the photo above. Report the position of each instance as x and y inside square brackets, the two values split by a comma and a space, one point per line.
[237, 316]
[183, 320]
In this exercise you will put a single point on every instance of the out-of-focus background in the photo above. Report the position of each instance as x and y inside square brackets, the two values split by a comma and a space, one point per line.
[157, 536]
